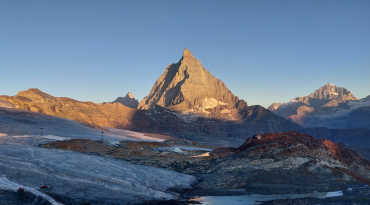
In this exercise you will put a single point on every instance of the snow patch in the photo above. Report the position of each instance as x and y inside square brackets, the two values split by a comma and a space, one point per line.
[131, 135]
[211, 103]
[170, 149]
[53, 137]
[193, 148]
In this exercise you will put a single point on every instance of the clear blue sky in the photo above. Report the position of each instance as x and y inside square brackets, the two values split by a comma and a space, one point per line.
[264, 51]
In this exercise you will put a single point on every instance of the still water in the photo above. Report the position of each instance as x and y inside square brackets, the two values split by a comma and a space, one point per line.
[255, 198]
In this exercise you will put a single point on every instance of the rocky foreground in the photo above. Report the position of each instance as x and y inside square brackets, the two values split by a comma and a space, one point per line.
[288, 162]
[93, 172]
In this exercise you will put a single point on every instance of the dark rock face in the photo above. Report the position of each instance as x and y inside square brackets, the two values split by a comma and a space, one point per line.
[129, 101]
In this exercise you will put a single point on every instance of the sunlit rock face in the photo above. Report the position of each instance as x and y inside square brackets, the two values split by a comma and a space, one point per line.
[188, 87]
[94, 115]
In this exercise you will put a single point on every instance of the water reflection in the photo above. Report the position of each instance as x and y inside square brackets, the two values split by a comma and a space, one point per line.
[256, 198]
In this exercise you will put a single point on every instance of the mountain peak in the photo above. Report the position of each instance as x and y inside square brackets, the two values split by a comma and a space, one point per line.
[187, 86]
[129, 95]
[187, 54]
[331, 91]
[128, 101]
[36, 95]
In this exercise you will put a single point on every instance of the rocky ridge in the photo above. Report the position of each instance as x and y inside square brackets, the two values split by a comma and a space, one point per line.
[94, 115]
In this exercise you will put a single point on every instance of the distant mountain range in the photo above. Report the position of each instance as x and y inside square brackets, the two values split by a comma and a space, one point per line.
[330, 106]
[187, 101]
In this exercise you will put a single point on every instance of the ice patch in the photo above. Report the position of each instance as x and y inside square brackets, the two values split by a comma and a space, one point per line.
[193, 148]
[257, 198]
[339, 113]
[211, 103]
[170, 149]
[53, 137]
[130, 135]
[115, 143]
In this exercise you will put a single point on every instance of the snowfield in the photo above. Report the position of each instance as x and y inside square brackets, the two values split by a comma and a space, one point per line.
[85, 178]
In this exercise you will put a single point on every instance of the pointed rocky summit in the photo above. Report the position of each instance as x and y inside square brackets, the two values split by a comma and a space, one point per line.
[188, 87]
[128, 101]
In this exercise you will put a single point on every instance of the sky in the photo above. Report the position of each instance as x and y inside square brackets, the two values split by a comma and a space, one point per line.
[264, 51]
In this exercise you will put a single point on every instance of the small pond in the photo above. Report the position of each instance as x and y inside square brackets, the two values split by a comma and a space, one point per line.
[256, 198]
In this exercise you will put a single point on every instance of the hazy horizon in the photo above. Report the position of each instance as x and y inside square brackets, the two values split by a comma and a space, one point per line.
[265, 52]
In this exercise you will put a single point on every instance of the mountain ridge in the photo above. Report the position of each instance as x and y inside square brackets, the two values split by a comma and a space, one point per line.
[94, 115]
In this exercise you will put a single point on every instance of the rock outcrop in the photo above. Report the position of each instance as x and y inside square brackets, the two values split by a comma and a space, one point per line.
[187, 87]
[286, 161]
[129, 101]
